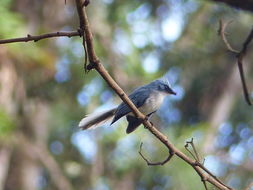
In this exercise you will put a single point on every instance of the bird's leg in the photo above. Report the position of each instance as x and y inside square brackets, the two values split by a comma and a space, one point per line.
[147, 118]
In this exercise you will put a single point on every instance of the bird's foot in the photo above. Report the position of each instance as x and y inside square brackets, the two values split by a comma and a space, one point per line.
[147, 119]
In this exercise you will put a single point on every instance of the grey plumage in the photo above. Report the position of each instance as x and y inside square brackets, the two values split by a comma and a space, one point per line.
[147, 99]
[93, 120]
[138, 97]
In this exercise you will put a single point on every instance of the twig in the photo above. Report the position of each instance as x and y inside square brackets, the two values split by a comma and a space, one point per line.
[222, 33]
[95, 64]
[197, 159]
[195, 155]
[239, 55]
[171, 154]
[40, 37]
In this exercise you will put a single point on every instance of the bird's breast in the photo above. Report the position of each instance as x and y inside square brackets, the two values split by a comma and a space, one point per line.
[153, 102]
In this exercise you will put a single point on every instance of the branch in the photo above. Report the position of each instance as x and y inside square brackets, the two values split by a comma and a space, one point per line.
[171, 154]
[195, 153]
[239, 55]
[196, 157]
[95, 64]
[40, 37]
[222, 33]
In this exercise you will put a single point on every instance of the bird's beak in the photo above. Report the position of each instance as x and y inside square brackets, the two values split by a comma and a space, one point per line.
[172, 92]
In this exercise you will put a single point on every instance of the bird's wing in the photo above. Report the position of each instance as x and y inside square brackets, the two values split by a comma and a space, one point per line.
[138, 97]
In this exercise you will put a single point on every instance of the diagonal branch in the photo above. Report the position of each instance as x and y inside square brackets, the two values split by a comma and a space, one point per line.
[95, 64]
[239, 55]
[196, 157]
[40, 37]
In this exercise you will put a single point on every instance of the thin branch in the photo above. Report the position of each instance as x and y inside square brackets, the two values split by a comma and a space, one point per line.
[196, 157]
[171, 154]
[247, 42]
[195, 154]
[239, 54]
[222, 33]
[204, 182]
[40, 37]
[244, 85]
[95, 64]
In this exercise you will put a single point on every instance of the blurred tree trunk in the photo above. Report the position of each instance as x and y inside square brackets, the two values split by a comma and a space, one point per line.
[5, 154]
[223, 106]
[32, 116]
[126, 183]
[23, 170]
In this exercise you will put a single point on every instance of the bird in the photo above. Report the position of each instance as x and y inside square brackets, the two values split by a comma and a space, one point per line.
[147, 98]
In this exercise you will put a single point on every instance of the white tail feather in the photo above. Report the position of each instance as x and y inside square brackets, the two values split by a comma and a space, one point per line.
[95, 119]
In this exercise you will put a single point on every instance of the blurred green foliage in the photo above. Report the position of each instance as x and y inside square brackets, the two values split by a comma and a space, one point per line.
[137, 41]
[7, 124]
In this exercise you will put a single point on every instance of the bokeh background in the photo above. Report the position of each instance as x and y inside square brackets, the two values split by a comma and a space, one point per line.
[45, 92]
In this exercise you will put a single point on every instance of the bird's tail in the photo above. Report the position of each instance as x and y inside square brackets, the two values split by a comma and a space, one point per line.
[95, 119]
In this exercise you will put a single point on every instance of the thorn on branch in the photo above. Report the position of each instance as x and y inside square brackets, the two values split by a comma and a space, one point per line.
[171, 154]
[239, 55]
[203, 163]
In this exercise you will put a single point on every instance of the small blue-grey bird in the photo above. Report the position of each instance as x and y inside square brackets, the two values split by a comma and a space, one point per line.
[147, 99]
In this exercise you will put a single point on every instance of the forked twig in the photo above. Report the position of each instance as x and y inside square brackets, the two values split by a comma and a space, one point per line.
[239, 55]
[196, 157]
[222, 33]
[195, 153]
[94, 63]
[171, 154]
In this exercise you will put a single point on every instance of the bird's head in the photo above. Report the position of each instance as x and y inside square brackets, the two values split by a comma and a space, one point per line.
[164, 86]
